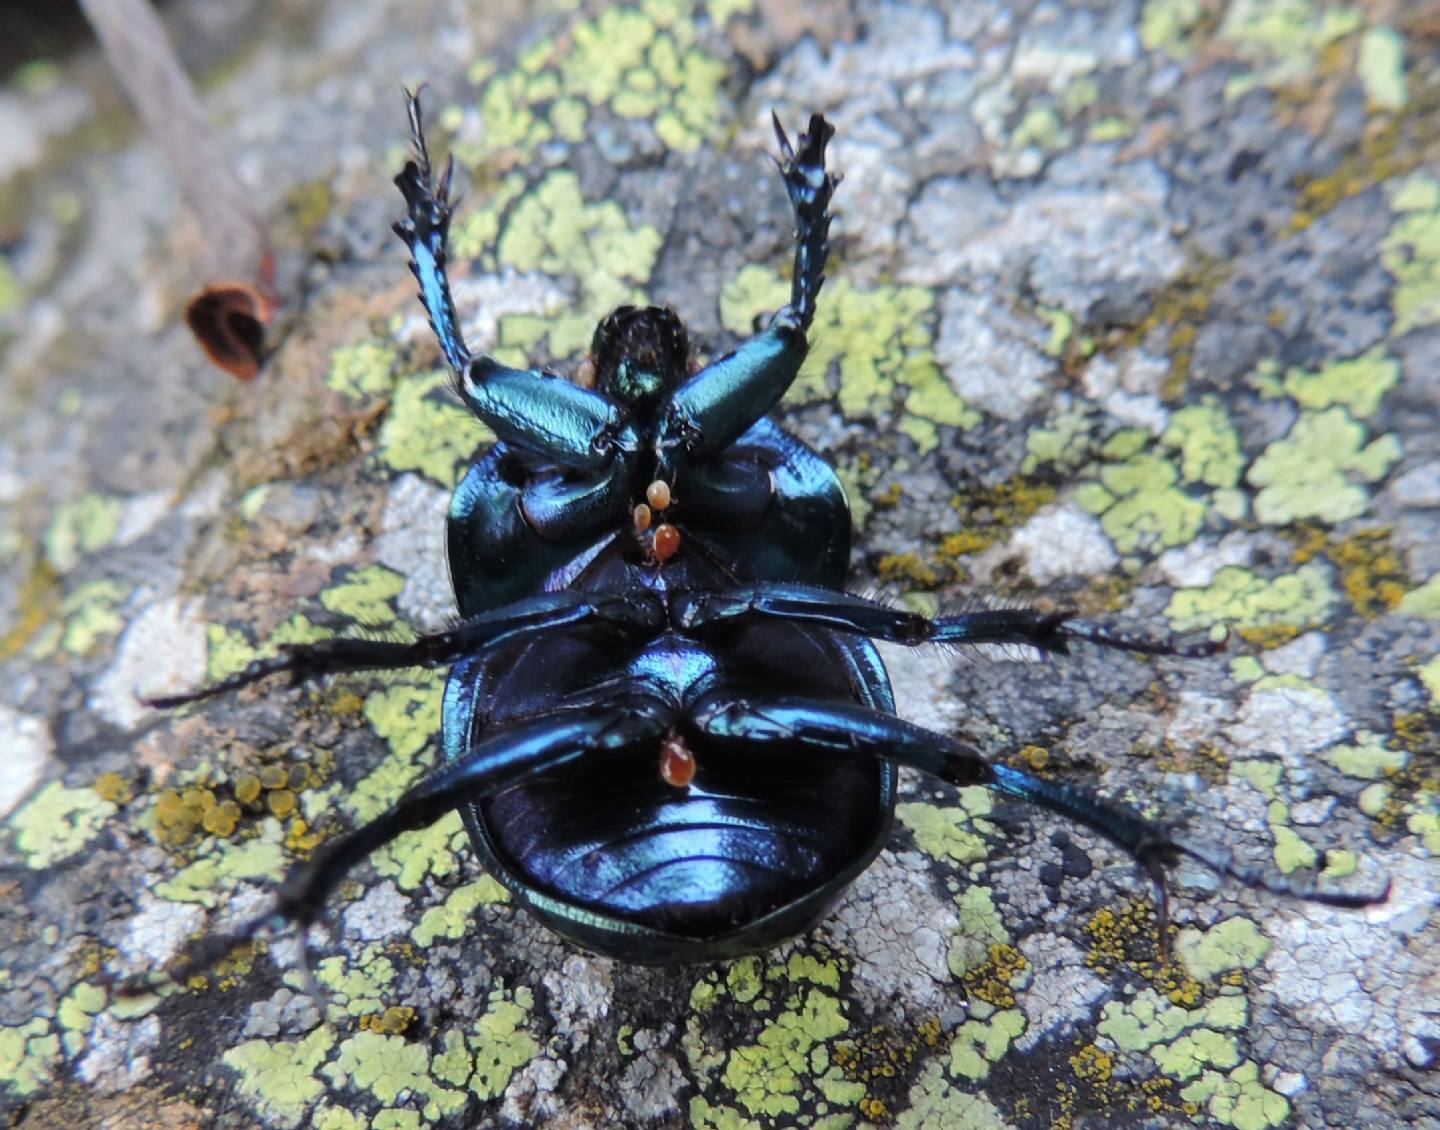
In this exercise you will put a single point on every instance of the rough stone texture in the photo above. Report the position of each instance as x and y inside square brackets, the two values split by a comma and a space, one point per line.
[1133, 308]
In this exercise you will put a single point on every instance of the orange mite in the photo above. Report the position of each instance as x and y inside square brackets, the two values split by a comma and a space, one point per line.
[641, 517]
[677, 763]
[657, 494]
[667, 541]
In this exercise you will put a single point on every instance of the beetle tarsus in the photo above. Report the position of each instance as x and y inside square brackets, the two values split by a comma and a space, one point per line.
[425, 230]
[810, 188]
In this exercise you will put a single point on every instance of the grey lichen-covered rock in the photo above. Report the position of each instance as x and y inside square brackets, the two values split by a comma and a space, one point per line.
[1132, 308]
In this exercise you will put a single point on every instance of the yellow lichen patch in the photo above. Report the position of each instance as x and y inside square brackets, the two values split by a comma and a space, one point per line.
[114, 788]
[989, 514]
[994, 980]
[1181, 309]
[394, 1021]
[1371, 572]
[880, 1059]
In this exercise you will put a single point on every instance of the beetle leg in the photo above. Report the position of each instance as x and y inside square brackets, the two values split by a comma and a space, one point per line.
[713, 408]
[504, 756]
[547, 415]
[1048, 631]
[723, 720]
[625, 614]
[809, 187]
[424, 231]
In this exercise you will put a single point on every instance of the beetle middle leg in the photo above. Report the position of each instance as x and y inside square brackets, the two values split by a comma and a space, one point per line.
[1051, 632]
[623, 615]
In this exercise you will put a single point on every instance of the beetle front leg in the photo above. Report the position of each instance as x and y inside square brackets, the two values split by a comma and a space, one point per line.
[810, 188]
[424, 231]
[713, 408]
[1051, 632]
[543, 413]
[503, 757]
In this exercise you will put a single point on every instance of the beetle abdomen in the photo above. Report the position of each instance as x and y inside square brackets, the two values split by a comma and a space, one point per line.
[695, 862]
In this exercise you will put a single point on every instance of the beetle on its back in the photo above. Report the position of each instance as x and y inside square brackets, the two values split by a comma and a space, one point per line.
[665, 723]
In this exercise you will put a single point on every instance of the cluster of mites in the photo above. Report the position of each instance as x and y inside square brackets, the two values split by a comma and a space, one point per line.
[677, 762]
[661, 542]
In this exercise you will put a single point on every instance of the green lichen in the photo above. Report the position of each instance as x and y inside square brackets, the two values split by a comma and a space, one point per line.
[1239, 598]
[1239, 1099]
[210, 878]
[279, 1078]
[1141, 504]
[1062, 442]
[1234, 943]
[1423, 600]
[363, 370]
[1355, 383]
[57, 822]
[86, 616]
[413, 857]
[428, 432]
[1381, 67]
[1429, 675]
[76, 1015]
[1283, 39]
[80, 526]
[767, 1075]
[979, 1043]
[389, 1066]
[552, 229]
[946, 833]
[29, 1054]
[1318, 469]
[365, 595]
[1183, 1042]
[1410, 251]
[934, 1104]
[229, 651]
[642, 62]
[502, 1042]
[1370, 758]
[454, 918]
[406, 714]
[358, 982]
[1166, 25]
[879, 338]
[1207, 444]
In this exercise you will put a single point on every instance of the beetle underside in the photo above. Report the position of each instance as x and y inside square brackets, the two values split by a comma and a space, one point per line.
[665, 721]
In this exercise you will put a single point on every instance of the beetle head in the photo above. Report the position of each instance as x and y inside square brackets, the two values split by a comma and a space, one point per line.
[640, 353]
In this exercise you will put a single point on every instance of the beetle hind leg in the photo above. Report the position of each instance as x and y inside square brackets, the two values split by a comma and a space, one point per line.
[846, 730]
[504, 756]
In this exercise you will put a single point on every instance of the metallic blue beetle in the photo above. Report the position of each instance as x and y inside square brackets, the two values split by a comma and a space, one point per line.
[665, 724]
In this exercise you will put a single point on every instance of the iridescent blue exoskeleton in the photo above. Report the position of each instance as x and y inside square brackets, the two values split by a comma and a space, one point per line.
[665, 723]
